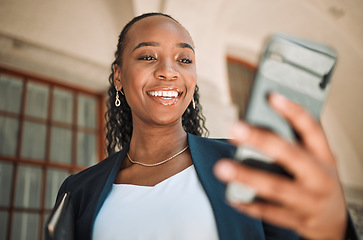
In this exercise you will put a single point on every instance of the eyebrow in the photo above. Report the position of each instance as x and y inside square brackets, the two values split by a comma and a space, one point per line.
[185, 45]
[146, 44]
[155, 44]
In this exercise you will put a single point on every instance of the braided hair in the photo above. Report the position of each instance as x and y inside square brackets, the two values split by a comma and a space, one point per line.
[119, 119]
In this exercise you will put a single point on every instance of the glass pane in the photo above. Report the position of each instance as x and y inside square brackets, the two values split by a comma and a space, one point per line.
[54, 181]
[10, 93]
[62, 106]
[6, 174]
[33, 144]
[87, 111]
[36, 100]
[8, 135]
[61, 145]
[28, 186]
[4, 216]
[86, 149]
[25, 226]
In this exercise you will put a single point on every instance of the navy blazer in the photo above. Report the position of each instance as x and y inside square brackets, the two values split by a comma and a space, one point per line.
[90, 188]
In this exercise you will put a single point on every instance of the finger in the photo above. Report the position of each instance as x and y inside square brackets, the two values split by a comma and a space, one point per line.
[271, 187]
[290, 155]
[309, 129]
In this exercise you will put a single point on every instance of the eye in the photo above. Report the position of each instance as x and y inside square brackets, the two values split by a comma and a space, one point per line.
[147, 58]
[185, 61]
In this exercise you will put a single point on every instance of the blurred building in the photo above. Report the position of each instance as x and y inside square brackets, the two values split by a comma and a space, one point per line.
[55, 59]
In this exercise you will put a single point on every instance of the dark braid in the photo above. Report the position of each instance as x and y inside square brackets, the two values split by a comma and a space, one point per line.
[193, 120]
[119, 119]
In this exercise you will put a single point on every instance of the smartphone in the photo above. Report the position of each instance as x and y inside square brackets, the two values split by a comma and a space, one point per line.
[297, 68]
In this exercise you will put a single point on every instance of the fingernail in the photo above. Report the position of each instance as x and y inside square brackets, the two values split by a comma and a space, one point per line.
[238, 192]
[240, 131]
[278, 100]
[225, 170]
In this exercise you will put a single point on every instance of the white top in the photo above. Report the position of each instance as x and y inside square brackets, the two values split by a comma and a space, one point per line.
[176, 208]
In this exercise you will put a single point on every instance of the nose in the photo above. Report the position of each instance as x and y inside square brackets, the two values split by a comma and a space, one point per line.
[166, 70]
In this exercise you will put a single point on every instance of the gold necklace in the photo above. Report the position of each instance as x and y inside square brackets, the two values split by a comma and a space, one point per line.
[158, 163]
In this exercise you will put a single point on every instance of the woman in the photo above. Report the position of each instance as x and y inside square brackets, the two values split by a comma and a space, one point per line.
[161, 184]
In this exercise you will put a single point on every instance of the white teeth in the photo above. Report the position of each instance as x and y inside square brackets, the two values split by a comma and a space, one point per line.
[163, 93]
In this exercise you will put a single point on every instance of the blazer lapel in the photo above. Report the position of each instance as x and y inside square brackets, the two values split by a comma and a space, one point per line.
[231, 224]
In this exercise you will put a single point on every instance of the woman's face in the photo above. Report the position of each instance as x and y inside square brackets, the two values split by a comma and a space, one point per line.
[158, 72]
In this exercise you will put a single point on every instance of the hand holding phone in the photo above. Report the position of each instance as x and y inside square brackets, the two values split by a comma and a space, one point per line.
[312, 204]
[298, 69]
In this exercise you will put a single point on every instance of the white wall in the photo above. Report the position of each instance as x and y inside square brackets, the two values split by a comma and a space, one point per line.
[73, 41]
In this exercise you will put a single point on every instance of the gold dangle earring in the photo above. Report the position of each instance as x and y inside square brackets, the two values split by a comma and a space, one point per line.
[117, 101]
[193, 103]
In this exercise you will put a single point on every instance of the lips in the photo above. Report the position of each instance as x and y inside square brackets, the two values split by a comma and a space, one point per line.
[165, 97]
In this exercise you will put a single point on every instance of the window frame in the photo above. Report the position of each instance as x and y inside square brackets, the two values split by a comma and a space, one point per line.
[235, 92]
[17, 160]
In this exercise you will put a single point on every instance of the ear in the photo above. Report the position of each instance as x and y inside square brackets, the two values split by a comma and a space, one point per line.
[117, 77]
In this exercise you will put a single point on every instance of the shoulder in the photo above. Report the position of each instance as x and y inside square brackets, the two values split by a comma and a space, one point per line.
[218, 146]
[86, 186]
[90, 176]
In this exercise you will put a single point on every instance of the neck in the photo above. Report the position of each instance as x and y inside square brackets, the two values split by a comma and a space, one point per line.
[157, 143]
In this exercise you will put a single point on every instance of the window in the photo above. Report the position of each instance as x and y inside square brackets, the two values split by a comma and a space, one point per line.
[47, 132]
[241, 75]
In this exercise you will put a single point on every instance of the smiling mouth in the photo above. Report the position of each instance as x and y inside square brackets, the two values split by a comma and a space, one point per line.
[165, 97]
